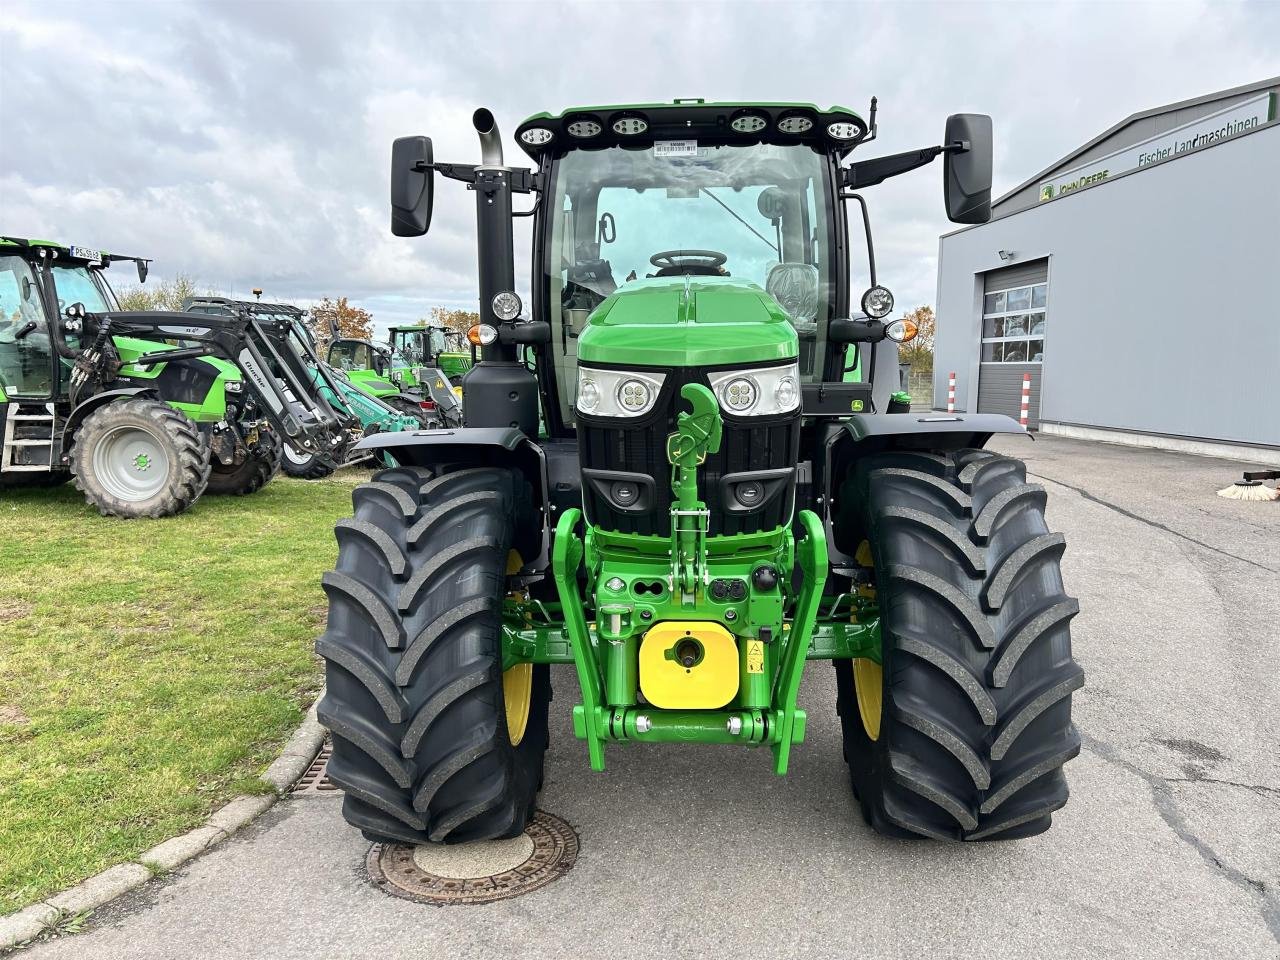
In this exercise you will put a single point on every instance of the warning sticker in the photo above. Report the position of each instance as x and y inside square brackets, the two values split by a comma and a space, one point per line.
[755, 656]
[675, 148]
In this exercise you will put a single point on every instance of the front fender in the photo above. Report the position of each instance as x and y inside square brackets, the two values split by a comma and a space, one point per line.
[463, 447]
[950, 431]
[82, 410]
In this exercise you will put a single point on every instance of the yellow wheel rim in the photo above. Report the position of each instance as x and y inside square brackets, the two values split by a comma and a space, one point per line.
[517, 683]
[868, 684]
[517, 694]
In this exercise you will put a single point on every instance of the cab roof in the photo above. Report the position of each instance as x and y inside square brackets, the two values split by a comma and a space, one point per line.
[640, 124]
[65, 251]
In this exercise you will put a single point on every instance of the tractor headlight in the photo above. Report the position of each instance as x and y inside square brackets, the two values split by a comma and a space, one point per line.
[760, 392]
[634, 394]
[740, 394]
[617, 393]
[506, 305]
[877, 302]
[234, 386]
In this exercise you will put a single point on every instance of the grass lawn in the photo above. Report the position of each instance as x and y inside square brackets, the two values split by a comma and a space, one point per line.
[149, 669]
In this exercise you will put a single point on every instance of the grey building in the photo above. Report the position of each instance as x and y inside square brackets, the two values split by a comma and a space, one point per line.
[1137, 282]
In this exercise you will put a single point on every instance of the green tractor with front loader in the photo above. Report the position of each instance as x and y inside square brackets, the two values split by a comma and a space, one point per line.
[145, 410]
[710, 503]
[365, 413]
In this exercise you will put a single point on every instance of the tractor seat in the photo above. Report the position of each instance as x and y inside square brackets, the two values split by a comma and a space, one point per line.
[795, 287]
[594, 275]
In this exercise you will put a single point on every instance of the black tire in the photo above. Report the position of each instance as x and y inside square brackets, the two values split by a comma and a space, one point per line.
[181, 454]
[975, 721]
[413, 661]
[408, 408]
[309, 467]
[251, 475]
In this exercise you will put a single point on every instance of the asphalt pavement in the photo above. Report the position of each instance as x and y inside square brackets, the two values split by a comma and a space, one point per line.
[1169, 847]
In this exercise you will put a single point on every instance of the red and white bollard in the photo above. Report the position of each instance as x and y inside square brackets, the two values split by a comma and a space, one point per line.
[1026, 400]
[951, 394]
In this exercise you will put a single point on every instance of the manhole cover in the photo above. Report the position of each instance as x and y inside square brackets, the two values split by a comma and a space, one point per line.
[477, 872]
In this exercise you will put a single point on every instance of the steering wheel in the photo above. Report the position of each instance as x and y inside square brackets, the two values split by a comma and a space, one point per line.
[698, 262]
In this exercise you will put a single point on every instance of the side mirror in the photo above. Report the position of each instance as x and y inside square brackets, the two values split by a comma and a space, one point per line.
[143, 266]
[412, 183]
[966, 168]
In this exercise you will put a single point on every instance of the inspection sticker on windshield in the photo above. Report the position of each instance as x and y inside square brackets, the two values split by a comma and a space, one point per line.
[675, 148]
[84, 253]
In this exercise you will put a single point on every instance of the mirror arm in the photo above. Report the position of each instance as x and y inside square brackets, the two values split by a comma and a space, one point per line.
[867, 173]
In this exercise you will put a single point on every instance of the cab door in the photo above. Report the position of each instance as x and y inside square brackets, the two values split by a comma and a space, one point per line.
[27, 358]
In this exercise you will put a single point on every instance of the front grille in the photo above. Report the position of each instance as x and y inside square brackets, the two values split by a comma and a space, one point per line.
[639, 446]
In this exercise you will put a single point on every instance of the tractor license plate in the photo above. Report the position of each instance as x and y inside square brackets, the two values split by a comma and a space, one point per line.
[85, 253]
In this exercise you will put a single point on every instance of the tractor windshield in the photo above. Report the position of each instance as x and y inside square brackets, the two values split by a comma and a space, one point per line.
[79, 284]
[757, 212]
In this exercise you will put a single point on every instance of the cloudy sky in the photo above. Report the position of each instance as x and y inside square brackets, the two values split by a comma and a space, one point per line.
[247, 143]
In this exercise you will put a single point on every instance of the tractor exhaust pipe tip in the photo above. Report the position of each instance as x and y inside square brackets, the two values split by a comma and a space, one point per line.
[490, 139]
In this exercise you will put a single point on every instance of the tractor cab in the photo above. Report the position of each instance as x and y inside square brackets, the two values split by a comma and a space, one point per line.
[433, 345]
[30, 367]
[376, 367]
[663, 223]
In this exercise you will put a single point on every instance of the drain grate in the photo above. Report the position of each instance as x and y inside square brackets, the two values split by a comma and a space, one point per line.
[546, 850]
[316, 779]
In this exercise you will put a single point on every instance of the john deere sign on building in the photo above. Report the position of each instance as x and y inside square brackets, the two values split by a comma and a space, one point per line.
[1201, 132]
[1140, 304]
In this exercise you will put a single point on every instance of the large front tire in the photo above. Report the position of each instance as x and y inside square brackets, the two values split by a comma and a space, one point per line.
[139, 458]
[431, 741]
[964, 732]
[251, 475]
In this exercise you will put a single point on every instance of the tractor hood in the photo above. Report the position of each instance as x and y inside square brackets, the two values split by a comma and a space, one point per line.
[688, 322]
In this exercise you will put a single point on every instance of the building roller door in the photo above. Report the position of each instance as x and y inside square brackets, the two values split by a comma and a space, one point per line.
[1015, 307]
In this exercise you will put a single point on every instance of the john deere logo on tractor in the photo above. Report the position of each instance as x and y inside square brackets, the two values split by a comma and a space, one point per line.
[660, 483]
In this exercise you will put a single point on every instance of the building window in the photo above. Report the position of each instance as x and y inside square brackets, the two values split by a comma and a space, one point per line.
[1013, 324]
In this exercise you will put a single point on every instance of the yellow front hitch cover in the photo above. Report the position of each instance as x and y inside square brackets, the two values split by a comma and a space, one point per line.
[689, 665]
[517, 682]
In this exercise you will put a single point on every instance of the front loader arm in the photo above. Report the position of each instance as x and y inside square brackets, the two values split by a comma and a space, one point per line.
[275, 371]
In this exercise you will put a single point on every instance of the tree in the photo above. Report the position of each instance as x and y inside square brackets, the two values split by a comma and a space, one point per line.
[165, 295]
[352, 322]
[919, 352]
[460, 320]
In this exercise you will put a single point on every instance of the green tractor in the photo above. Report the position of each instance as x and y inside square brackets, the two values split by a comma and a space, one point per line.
[367, 414]
[712, 502]
[146, 410]
[434, 345]
[400, 379]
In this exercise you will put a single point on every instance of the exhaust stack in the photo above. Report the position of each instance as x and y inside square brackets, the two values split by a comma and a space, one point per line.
[490, 139]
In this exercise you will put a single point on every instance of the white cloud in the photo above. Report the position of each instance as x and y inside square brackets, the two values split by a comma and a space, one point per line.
[248, 144]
